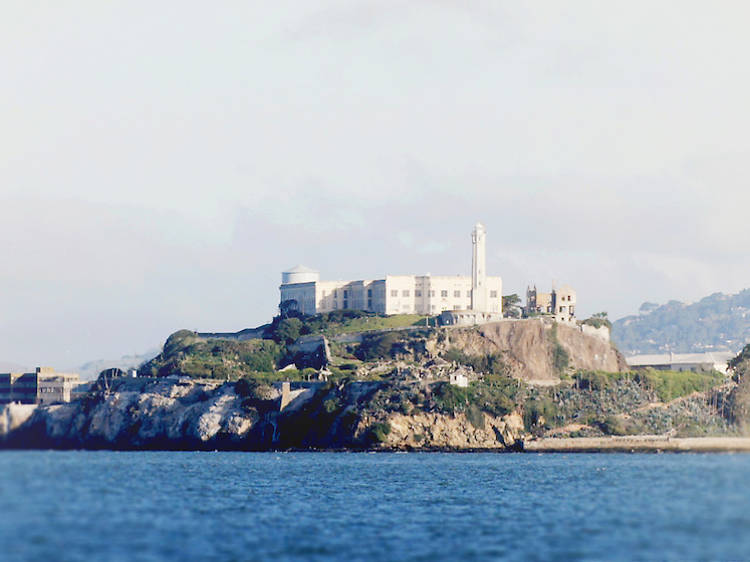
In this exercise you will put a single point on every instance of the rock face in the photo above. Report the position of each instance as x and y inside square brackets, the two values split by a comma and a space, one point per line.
[528, 347]
[167, 413]
[441, 431]
[175, 413]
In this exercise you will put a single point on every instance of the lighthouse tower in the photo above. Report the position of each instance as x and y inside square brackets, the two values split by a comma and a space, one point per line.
[479, 269]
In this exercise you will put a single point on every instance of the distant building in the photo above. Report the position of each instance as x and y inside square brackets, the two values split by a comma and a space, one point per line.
[44, 386]
[302, 290]
[560, 303]
[697, 362]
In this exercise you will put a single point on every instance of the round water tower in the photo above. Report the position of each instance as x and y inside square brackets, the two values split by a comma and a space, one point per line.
[299, 274]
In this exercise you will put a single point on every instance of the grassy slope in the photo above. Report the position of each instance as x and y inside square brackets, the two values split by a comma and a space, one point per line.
[374, 323]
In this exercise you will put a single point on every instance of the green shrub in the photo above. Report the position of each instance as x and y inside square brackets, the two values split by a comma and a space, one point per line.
[379, 432]
[331, 405]
[450, 398]
[475, 416]
[377, 346]
[539, 412]
[560, 356]
[491, 363]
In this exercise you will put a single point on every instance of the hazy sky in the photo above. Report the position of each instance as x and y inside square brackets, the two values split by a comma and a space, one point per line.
[162, 162]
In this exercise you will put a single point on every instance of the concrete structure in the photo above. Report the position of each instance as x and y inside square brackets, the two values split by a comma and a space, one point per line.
[44, 386]
[468, 317]
[697, 362]
[602, 332]
[301, 289]
[560, 303]
[459, 379]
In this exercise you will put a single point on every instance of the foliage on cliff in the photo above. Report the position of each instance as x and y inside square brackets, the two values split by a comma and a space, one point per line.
[739, 399]
[189, 355]
[339, 322]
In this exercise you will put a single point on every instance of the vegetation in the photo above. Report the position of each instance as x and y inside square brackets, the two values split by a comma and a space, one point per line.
[741, 363]
[496, 395]
[379, 431]
[598, 320]
[186, 354]
[340, 322]
[668, 385]
[560, 356]
[491, 363]
[377, 346]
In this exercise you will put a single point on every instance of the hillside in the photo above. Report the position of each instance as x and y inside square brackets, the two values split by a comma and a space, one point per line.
[402, 410]
[490, 387]
[718, 322]
[530, 350]
[91, 369]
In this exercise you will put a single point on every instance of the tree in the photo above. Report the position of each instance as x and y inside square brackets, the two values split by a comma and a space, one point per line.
[288, 331]
[511, 300]
[289, 308]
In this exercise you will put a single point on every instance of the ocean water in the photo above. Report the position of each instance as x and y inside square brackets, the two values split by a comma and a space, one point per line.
[357, 506]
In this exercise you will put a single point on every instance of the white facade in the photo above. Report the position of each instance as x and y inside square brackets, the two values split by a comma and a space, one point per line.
[399, 294]
[479, 269]
[396, 294]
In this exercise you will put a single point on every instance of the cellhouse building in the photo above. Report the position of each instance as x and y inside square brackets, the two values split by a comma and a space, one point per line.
[459, 299]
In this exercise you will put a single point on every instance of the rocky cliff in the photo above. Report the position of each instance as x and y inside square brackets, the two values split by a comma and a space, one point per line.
[174, 413]
[529, 348]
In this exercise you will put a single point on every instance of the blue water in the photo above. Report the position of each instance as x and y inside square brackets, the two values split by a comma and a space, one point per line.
[338, 506]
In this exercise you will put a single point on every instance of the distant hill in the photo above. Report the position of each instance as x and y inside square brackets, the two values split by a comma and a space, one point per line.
[91, 369]
[718, 322]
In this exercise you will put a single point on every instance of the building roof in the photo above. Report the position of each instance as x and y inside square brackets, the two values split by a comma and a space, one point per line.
[300, 269]
[715, 358]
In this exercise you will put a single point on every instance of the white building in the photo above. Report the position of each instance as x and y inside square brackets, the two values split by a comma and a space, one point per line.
[697, 362]
[301, 288]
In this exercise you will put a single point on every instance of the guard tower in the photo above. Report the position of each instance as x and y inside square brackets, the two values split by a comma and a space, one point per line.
[479, 269]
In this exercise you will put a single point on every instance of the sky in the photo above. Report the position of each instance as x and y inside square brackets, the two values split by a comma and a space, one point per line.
[162, 162]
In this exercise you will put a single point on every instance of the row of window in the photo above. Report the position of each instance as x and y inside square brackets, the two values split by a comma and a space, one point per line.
[444, 294]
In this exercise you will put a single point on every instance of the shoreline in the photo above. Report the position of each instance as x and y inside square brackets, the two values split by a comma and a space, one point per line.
[638, 444]
[613, 444]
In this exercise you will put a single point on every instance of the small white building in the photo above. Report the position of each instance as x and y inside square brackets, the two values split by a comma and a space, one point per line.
[459, 379]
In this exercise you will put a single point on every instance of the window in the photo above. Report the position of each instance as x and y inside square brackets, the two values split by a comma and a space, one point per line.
[432, 293]
[443, 294]
[369, 304]
[369, 293]
[346, 304]
[456, 307]
[394, 293]
[493, 294]
[346, 294]
[405, 293]
[456, 294]
[417, 293]
[335, 293]
[432, 307]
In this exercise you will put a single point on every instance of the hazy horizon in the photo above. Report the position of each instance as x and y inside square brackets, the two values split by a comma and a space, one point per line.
[163, 163]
